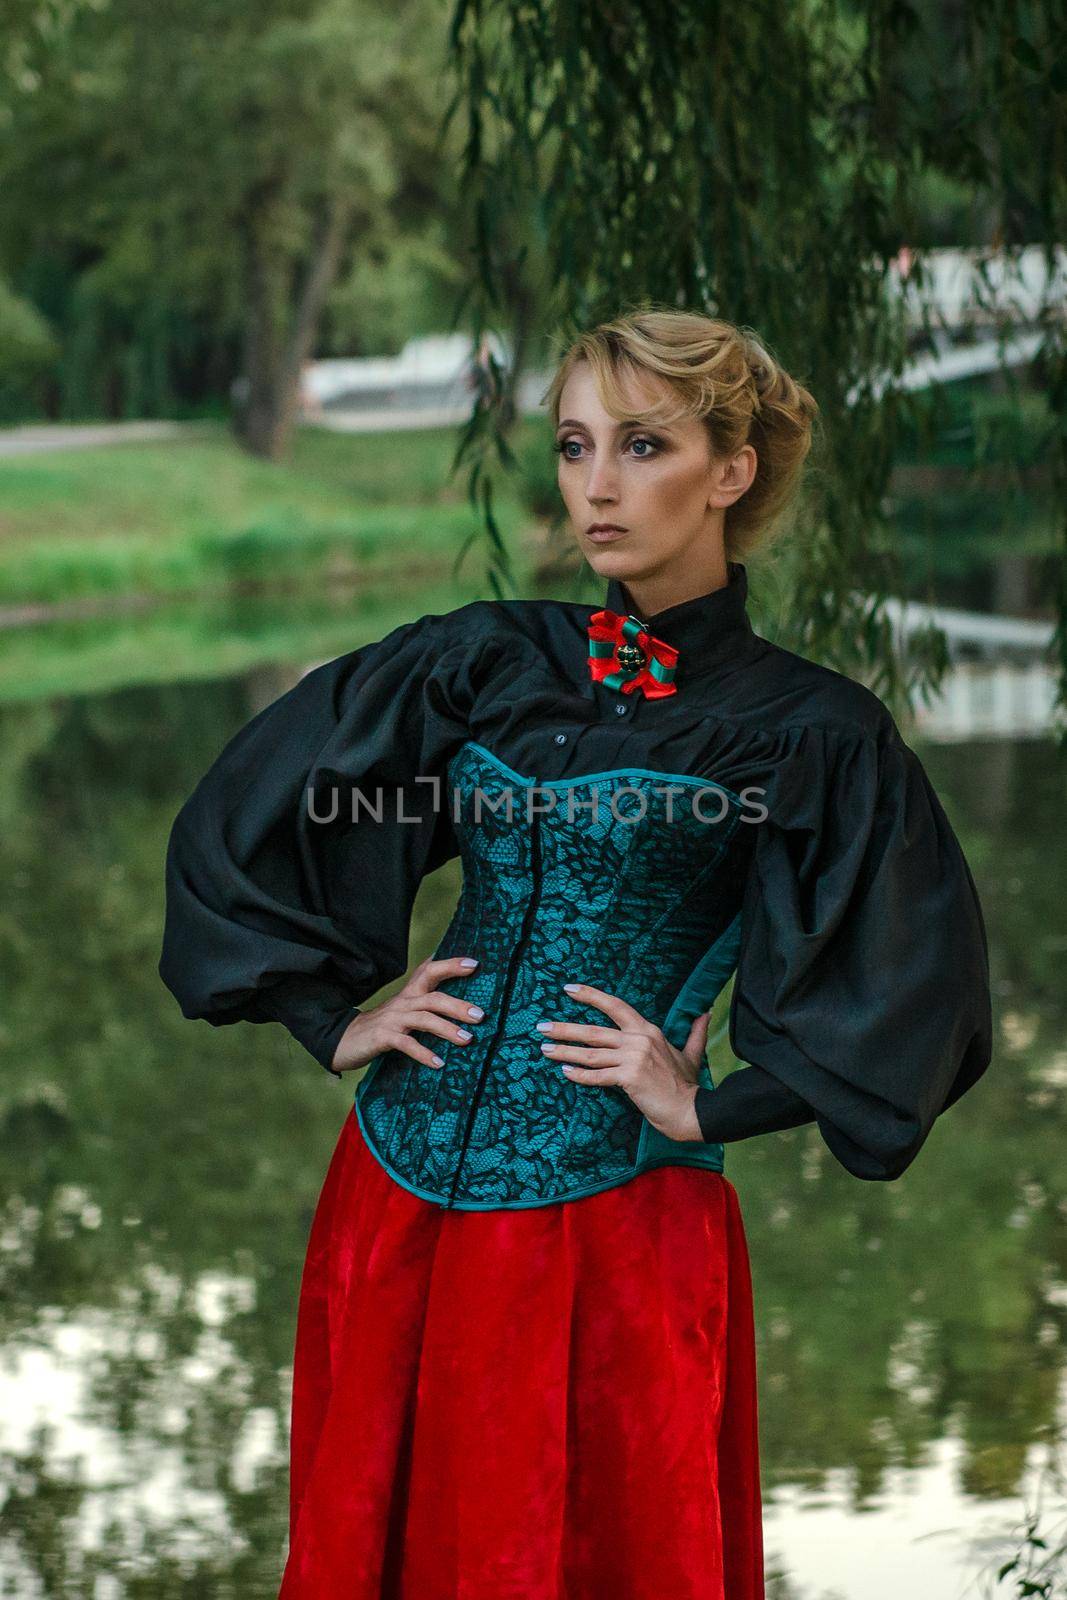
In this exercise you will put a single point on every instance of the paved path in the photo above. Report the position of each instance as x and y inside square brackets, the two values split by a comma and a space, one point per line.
[36, 437]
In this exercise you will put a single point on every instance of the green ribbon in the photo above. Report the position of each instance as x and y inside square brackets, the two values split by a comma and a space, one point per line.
[605, 648]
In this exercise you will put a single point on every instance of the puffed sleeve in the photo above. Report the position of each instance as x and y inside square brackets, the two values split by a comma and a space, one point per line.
[861, 998]
[292, 868]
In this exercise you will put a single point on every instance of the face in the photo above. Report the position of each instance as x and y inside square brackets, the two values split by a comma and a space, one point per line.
[658, 487]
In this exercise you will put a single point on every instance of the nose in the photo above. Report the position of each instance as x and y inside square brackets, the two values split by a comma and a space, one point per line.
[600, 486]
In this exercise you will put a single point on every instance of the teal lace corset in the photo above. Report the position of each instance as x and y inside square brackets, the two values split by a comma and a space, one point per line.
[607, 879]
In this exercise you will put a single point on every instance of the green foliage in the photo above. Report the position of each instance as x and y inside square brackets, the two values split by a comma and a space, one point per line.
[537, 478]
[182, 186]
[1036, 1568]
[28, 350]
[766, 166]
[191, 193]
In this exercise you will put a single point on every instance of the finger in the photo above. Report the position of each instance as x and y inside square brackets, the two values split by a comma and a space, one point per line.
[575, 1052]
[585, 1075]
[430, 972]
[696, 1040]
[448, 1005]
[620, 1010]
[584, 1032]
[408, 1047]
[429, 1022]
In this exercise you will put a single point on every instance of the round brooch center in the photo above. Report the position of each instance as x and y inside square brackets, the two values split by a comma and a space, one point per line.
[630, 656]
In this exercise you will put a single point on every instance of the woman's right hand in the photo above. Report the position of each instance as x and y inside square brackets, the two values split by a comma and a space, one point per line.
[417, 1007]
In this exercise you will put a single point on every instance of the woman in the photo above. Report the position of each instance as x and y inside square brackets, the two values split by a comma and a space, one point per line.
[525, 1356]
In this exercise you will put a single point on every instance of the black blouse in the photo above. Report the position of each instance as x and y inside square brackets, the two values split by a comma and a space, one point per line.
[861, 998]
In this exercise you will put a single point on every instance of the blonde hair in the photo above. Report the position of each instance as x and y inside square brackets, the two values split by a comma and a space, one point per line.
[721, 373]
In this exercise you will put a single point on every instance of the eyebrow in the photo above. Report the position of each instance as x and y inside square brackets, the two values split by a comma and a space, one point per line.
[627, 422]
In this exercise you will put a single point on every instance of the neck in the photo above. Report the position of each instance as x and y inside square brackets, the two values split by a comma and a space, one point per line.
[709, 627]
[648, 595]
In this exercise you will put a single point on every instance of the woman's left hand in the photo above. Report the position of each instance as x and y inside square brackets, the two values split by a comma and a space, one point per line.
[660, 1080]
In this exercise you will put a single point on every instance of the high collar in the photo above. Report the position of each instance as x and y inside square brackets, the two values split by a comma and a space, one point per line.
[706, 629]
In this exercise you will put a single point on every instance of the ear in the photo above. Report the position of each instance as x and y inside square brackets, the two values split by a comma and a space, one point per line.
[733, 476]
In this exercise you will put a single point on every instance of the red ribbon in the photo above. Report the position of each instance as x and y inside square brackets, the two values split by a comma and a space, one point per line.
[608, 632]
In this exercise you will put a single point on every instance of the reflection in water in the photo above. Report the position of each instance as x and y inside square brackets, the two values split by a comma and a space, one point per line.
[158, 1179]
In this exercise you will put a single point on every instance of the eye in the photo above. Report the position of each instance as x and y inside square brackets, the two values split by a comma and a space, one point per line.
[651, 447]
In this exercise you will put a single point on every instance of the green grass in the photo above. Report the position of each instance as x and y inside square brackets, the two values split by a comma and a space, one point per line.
[204, 480]
[187, 558]
[209, 637]
[288, 547]
[197, 515]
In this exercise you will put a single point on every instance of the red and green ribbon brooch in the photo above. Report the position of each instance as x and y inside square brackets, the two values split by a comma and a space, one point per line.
[623, 655]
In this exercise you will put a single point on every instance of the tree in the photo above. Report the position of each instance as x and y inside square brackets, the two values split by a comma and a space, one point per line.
[766, 163]
[225, 157]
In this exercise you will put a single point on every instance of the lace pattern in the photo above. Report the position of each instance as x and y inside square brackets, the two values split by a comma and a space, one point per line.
[617, 884]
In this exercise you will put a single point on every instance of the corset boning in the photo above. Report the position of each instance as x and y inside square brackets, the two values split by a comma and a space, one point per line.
[604, 879]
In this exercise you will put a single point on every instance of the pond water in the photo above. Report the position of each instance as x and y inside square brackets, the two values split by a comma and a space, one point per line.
[157, 1181]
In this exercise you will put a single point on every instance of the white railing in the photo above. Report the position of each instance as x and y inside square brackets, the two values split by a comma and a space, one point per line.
[981, 701]
[979, 632]
[1001, 682]
[981, 293]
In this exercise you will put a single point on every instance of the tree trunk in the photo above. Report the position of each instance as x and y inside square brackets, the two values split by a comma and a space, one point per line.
[280, 325]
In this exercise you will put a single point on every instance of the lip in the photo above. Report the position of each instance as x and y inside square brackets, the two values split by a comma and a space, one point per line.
[605, 532]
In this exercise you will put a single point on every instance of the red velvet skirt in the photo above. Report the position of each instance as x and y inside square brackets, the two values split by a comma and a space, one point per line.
[550, 1403]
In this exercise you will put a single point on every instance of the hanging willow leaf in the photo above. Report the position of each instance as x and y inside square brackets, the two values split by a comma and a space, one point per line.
[761, 164]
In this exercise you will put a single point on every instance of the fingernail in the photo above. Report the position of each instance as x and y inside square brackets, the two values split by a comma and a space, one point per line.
[464, 1033]
[548, 1047]
[476, 1012]
[544, 1026]
[570, 987]
[469, 961]
[438, 1061]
